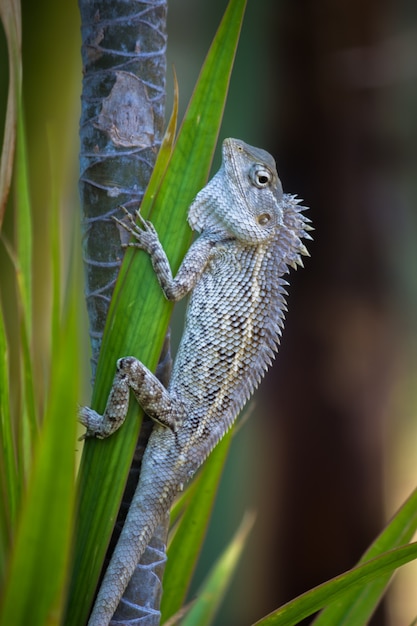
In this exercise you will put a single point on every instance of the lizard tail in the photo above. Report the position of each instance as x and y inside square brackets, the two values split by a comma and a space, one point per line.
[149, 504]
[117, 576]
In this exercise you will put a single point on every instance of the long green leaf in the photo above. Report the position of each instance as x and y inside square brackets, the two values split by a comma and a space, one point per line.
[23, 221]
[16, 450]
[10, 17]
[138, 300]
[96, 516]
[9, 482]
[315, 599]
[215, 586]
[29, 419]
[36, 576]
[357, 606]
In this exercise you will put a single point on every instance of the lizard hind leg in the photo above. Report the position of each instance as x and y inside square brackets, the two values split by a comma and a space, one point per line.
[152, 396]
[150, 393]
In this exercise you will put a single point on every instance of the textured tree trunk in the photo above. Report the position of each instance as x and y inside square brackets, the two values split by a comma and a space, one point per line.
[122, 119]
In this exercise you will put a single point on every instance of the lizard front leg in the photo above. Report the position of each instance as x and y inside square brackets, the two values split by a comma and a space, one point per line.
[149, 392]
[192, 267]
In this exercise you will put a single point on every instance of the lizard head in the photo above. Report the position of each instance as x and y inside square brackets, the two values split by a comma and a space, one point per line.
[244, 197]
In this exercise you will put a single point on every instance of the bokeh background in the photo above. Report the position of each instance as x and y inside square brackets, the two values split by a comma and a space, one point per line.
[328, 450]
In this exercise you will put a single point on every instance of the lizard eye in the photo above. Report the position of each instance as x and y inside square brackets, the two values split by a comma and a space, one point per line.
[260, 176]
[263, 219]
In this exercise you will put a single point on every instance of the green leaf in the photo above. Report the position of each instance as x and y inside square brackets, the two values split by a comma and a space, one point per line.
[100, 488]
[186, 544]
[29, 421]
[24, 222]
[137, 301]
[10, 485]
[315, 599]
[214, 588]
[37, 569]
[357, 606]
[38, 464]
[17, 431]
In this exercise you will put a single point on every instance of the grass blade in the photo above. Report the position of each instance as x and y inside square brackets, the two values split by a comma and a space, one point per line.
[96, 516]
[36, 577]
[356, 607]
[214, 588]
[9, 481]
[24, 245]
[315, 599]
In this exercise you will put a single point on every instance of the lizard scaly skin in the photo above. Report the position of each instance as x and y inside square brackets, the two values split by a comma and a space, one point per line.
[250, 232]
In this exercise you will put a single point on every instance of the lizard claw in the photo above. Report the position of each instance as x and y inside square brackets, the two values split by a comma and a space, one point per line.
[130, 217]
[143, 232]
[91, 420]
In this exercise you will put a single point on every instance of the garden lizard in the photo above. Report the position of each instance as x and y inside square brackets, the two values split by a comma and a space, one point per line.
[250, 232]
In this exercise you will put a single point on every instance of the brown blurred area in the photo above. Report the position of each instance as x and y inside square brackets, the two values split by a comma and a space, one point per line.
[343, 353]
[345, 142]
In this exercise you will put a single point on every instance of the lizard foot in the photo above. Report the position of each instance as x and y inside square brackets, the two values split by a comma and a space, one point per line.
[144, 231]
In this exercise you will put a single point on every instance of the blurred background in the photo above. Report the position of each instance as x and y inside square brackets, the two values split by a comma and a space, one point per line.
[328, 451]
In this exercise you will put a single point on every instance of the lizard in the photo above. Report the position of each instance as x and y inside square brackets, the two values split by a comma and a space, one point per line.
[250, 233]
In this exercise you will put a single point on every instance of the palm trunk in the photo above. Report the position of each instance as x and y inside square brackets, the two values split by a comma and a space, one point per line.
[122, 119]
